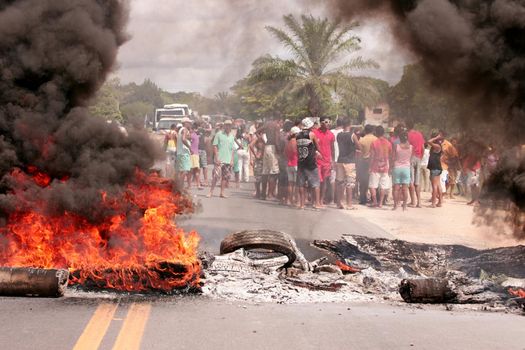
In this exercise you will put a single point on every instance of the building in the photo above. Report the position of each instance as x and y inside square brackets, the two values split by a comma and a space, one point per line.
[378, 115]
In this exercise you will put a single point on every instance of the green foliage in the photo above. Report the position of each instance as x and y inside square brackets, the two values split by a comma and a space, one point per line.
[312, 82]
[106, 103]
[135, 112]
[413, 99]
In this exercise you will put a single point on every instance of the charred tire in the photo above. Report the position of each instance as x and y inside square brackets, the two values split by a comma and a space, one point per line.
[261, 239]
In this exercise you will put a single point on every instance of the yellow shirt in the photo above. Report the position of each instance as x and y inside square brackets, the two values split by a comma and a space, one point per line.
[365, 143]
[450, 156]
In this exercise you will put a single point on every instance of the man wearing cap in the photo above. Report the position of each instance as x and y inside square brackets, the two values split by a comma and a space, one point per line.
[307, 171]
[183, 151]
[223, 148]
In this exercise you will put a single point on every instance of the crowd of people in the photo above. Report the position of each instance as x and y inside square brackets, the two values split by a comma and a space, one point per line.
[311, 162]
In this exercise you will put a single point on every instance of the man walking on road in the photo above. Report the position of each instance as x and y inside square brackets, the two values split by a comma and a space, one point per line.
[417, 141]
[223, 157]
[307, 171]
[363, 168]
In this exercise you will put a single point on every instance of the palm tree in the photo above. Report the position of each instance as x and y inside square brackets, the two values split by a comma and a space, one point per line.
[316, 72]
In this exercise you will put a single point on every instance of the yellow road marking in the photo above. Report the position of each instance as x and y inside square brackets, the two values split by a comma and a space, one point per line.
[96, 328]
[132, 330]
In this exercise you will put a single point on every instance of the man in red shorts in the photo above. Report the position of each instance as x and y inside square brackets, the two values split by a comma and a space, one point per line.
[326, 140]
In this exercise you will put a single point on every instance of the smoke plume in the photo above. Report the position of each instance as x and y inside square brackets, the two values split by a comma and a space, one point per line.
[474, 49]
[54, 55]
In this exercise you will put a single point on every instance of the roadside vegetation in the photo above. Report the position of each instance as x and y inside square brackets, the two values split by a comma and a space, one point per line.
[320, 76]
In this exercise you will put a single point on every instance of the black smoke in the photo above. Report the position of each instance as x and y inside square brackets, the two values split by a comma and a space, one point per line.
[54, 56]
[474, 49]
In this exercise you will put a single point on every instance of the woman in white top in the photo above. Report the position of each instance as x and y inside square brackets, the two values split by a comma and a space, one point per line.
[425, 173]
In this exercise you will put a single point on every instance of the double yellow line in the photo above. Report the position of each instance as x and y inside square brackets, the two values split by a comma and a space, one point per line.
[130, 335]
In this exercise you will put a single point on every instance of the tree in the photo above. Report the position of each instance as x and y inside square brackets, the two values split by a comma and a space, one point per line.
[414, 99]
[106, 103]
[313, 75]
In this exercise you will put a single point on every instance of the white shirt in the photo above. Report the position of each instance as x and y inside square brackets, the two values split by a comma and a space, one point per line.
[336, 146]
[426, 156]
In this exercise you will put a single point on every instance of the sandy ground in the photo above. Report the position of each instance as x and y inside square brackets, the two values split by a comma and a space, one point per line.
[451, 224]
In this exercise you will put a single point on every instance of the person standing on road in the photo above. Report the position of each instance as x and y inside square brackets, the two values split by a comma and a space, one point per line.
[223, 158]
[425, 173]
[325, 163]
[170, 146]
[292, 160]
[363, 166]
[204, 140]
[380, 154]
[270, 161]
[195, 162]
[307, 171]
[401, 174]
[416, 139]
[243, 153]
[183, 152]
[435, 167]
[257, 153]
[450, 163]
[346, 168]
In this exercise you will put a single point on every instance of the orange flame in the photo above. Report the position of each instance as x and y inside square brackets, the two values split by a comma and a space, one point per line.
[346, 268]
[520, 293]
[137, 248]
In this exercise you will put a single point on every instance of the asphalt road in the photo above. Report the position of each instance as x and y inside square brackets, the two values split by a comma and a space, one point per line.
[106, 321]
[217, 217]
[190, 323]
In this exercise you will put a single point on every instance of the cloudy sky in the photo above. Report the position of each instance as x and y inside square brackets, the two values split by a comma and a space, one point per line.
[207, 45]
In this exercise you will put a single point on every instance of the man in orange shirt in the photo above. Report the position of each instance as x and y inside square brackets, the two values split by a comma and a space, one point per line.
[450, 163]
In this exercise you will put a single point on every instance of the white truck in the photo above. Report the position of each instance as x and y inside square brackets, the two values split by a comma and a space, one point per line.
[171, 114]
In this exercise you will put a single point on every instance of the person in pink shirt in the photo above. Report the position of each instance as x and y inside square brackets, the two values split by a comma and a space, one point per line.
[401, 173]
[325, 163]
[380, 153]
[417, 141]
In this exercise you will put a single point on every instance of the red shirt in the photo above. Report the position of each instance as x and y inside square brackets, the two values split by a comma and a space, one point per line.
[291, 153]
[380, 152]
[416, 139]
[326, 139]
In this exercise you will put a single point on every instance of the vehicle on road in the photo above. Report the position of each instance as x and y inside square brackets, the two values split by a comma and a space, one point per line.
[171, 111]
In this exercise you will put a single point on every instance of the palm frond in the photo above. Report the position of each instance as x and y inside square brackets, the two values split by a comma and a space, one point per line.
[268, 68]
[357, 63]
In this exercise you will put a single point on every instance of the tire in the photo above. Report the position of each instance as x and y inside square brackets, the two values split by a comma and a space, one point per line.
[260, 239]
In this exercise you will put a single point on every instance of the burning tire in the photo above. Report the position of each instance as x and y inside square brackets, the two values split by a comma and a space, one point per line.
[260, 239]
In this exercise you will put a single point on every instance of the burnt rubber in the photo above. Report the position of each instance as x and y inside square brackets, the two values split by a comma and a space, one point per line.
[260, 239]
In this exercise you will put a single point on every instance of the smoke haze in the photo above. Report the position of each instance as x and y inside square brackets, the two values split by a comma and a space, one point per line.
[474, 49]
[206, 45]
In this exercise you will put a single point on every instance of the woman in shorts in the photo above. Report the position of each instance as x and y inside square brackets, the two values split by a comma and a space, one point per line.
[434, 165]
[401, 173]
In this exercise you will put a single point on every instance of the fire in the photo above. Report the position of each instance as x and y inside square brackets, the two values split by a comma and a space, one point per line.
[346, 268]
[520, 293]
[138, 247]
